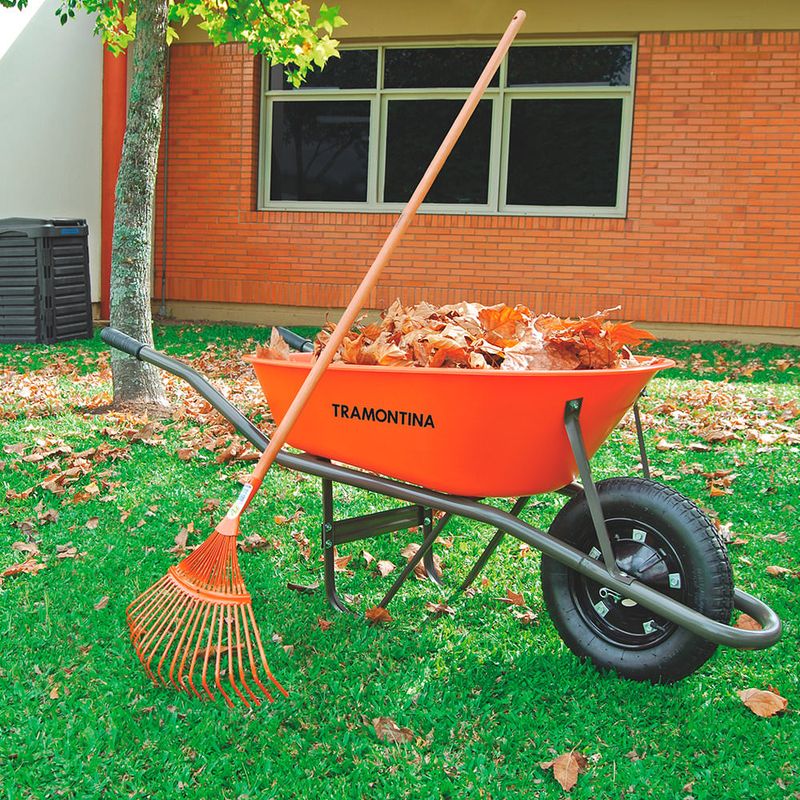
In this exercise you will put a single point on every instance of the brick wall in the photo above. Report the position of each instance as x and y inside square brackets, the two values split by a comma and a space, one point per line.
[712, 233]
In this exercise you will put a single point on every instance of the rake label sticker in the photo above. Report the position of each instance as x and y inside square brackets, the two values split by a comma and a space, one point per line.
[243, 497]
[391, 416]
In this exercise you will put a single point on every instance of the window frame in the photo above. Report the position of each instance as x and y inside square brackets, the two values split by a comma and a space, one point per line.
[501, 98]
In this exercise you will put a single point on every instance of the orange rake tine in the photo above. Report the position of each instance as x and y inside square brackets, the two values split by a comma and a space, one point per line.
[242, 677]
[187, 636]
[197, 651]
[218, 671]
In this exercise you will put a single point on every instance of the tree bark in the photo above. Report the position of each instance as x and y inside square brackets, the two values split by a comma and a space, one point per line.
[132, 248]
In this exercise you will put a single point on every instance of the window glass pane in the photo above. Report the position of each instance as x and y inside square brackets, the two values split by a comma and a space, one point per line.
[356, 69]
[415, 129]
[603, 65]
[442, 67]
[564, 152]
[320, 150]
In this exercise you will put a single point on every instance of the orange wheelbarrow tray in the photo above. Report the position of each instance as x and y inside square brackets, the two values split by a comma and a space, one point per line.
[634, 575]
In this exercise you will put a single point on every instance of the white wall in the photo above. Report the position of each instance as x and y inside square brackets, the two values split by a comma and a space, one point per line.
[51, 119]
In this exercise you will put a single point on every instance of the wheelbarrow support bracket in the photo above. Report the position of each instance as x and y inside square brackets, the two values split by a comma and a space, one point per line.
[367, 526]
[572, 412]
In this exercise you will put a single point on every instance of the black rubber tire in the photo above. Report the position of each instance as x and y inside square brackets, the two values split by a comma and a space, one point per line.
[690, 541]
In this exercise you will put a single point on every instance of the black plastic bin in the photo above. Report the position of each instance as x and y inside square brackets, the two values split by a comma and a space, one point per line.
[44, 280]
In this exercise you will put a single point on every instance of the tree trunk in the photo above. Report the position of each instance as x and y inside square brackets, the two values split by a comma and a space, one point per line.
[132, 248]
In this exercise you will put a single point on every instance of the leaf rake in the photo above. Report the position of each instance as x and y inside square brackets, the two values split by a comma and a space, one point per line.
[195, 627]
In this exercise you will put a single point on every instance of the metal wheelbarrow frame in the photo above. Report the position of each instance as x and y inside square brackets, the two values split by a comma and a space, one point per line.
[422, 502]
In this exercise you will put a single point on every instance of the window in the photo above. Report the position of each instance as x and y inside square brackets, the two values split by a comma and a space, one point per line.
[550, 136]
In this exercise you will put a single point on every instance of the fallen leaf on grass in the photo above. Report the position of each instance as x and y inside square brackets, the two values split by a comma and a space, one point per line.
[324, 624]
[763, 703]
[26, 547]
[30, 566]
[781, 537]
[303, 588]
[23, 495]
[525, 617]
[92, 523]
[50, 515]
[778, 572]
[281, 520]
[440, 608]
[180, 540]
[54, 692]
[512, 599]
[385, 567]
[101, 603]
[388, 730]
[68, 551]
[378, 614]
[566, 768]
[409, 551]
[340, 563]
[747, 623]
[302, 542]
[253, 542]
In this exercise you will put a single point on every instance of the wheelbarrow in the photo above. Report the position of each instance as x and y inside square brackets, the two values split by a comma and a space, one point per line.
[634, 575]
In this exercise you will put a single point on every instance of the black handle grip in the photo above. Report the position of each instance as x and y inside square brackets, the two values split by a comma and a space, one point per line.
[121, 341]
[295, 341]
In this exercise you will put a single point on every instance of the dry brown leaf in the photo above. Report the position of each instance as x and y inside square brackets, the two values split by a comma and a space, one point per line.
[388, 730]
[512, 598]
[763, 703]
[303, 588]
[340, 563]
[378, 614]
[31, 548]
[181, 539]
[92, 523]
[29, 566]
[303, 544]
[384, 567]
[778, 572]
[781, 537]
[281, 520]
[54, 692]
[746, 623]
[438, 609]
[101, 603]
[566, 768]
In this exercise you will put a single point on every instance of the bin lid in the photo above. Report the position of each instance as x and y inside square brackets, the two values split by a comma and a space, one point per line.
[35, 228]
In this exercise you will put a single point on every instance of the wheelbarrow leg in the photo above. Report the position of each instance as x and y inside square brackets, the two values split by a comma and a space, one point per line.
[572, 412]
[640, 437]
[428, 560]
[491, 547]
[328, 548]
[426, 545]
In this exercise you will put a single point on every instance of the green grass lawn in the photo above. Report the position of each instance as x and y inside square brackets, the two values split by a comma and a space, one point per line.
[487, 698]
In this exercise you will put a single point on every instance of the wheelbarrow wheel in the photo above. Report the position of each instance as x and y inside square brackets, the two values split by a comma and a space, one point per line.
[662, 539]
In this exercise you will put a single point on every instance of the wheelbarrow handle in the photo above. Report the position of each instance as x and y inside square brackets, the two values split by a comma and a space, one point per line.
[295, 341]
[121, 341]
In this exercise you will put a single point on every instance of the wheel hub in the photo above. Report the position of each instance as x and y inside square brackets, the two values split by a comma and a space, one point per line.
[646, 555]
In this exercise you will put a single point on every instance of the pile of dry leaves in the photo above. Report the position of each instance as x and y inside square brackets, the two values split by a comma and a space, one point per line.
[472, 336]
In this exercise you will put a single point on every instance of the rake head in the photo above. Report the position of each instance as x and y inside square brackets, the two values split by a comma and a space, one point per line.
[195, 629]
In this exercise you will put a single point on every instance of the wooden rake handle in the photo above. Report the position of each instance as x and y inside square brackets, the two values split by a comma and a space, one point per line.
[371, 278]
